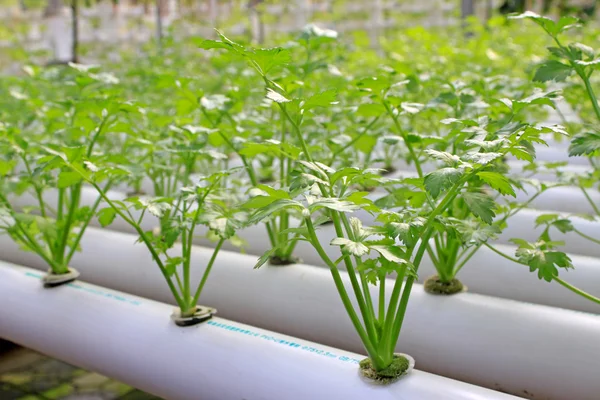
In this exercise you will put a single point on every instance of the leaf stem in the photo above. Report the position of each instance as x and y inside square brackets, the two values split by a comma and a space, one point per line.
[388, 324]
[409, 146]
[589, 199]
[502, 254]
[375, 357]
[146, 241]
[85, 225]
[207, 272]
[577, 290]
[354, 140]
[467, 258]
[583, 235]
[96, 136]
[250, 170]
[66, 230]
[382, 281]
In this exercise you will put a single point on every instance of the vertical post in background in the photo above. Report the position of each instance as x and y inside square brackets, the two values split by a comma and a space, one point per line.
[158, 24]
[436, 15]
[376, 23]
[302, 12]
[53, 8]
[173, 9]
[213, 13]
[467, 8]
[257, 29]
[489, 9]
[75, 30]
[59, 31]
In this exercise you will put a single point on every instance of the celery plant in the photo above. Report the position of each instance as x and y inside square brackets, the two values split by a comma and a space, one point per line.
[204, 203]
[271, 155]
[569, 59]
[31, 167]
[398, 243]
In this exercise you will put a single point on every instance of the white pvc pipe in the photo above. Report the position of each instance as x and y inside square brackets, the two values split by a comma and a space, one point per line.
[564, 199]
[516, 168]
[132, 339]
[495, 343]
[490, 274]
[60, 38]
[568, 199]
[522, 225]
[552, 154]
[480, 274]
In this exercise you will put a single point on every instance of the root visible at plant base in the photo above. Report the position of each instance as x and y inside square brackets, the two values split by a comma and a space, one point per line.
[398, 368]
[278, 261]
[435, 285]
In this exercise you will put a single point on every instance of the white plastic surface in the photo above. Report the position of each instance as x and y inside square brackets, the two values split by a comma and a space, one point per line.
[481, 274]
[491, 342]
[556, 154]
[564, 199]
[59, 36]
[522, 225]
[132, 339]
[516, 168]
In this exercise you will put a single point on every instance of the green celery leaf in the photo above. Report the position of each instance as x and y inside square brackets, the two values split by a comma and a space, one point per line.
[268, 59]
[552, 70]
[68, 178]
[355, 248]
[586, 143]
[438, 181]
[323, 99]
[481, 205]
[497, 181]
[272, 208]
[106, 216]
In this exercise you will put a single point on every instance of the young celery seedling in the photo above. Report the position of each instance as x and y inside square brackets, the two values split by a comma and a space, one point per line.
[282, 150]
[474, 217]
[204, 203]
[572, 59]
[167, 157]
[378, 323]
[32, 171]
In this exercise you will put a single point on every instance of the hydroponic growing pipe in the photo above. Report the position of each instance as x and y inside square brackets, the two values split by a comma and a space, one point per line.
[132, 339]
[522, 225]
[481, 274]
[491, 342]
